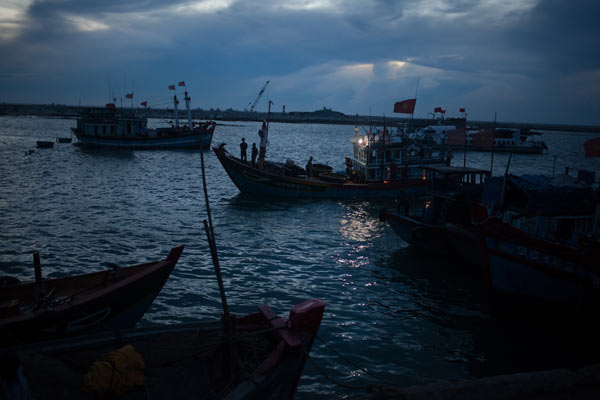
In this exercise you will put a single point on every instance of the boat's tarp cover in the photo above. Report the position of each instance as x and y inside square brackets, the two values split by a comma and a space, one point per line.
[540, 194]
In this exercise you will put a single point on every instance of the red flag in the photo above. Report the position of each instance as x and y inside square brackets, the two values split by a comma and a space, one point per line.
[456, 136]
[461, 110]
[182, 83]
[405, 107]
[483, 138]
[171, 87]
[144, 103]
[443, 111]
[437, 109]
[592, 147]
[129, 96]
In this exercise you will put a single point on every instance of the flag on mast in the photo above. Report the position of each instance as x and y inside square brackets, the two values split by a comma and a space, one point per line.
[182, 83]
[144, 103]
[405, 106]
[437, 109]
[129, 96]
[171, 87]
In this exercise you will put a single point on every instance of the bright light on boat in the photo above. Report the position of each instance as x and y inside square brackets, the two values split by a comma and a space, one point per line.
[360, 141]
[427, 204]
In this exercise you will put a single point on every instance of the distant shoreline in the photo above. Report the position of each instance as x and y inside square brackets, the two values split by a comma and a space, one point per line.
[324, 116]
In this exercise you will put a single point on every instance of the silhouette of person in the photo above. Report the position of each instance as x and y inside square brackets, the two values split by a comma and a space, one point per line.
[254, 154]
[309, 167]
[243, 147]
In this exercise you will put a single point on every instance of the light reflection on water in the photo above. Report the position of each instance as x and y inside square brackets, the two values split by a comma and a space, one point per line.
[409, 318]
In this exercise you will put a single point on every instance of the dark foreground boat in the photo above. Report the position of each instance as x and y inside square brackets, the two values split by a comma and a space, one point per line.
[64, 139]
[262, 357]
[542, 248]
[444, 221]
[73, 305]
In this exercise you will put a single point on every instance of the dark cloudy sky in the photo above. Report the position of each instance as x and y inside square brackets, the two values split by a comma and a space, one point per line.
[527, 60]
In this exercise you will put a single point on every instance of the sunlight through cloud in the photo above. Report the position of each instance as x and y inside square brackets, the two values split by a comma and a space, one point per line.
[12, 17]
[202, 6]
[87, 25]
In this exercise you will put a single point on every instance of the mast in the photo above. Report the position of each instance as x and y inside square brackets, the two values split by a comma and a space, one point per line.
[175, 103]
[189, 111]
[264, 134]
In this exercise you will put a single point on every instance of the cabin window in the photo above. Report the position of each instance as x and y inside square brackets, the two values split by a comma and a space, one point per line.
[396, 154]
[371, 174]
[129, 127]
[95, 129]
[112, 129]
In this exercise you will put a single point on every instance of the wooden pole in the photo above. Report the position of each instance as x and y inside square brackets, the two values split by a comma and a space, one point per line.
[554, 166]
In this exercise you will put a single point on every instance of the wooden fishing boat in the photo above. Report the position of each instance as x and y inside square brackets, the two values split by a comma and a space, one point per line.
[43, 144]
[64, 139]
[258, 356]
[543, 244]
[382, 166]
[443, 221]
[73, 305]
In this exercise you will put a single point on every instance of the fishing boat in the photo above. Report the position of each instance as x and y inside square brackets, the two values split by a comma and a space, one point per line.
[42, 144]
[382, 165]
[124, 128]
[542, 244]
[64, 139]
[499, 140]
[73, 305]
[443, 221]
[255, 356]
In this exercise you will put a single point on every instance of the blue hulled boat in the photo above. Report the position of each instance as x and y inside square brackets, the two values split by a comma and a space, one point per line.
[123, 128]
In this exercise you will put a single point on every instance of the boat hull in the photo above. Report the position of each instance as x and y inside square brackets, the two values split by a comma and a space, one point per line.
[523, 270]
[263, 183]
[194, 141]
[109, 300]
[441, 240]
[187, 361]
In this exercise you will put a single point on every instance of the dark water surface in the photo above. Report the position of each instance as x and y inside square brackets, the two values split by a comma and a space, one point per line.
[407, 318]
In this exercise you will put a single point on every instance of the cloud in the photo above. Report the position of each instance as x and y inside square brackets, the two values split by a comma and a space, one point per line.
[349, 55]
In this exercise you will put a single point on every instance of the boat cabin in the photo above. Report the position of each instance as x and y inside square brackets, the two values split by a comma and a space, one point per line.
[111, 122]
[461, 181]
[383, 156]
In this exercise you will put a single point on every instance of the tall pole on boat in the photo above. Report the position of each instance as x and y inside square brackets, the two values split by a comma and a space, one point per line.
[263, 133]
[175, 103]
[189, 111]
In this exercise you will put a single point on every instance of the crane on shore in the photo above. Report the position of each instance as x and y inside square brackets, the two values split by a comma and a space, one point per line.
[253, 104]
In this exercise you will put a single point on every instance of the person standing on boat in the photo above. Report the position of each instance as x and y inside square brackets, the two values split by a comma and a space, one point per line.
[254, 154]
[309, 167]
[243, 147]
[448, 157]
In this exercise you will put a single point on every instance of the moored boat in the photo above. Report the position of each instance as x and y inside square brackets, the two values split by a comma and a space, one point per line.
[443, 221]
[74, 305]
[499, 140]
[256, 356]
[43, 144]
[64, 139]
[543, 245]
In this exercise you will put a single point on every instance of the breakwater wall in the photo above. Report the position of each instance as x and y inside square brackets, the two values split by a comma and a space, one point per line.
[317, 117]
